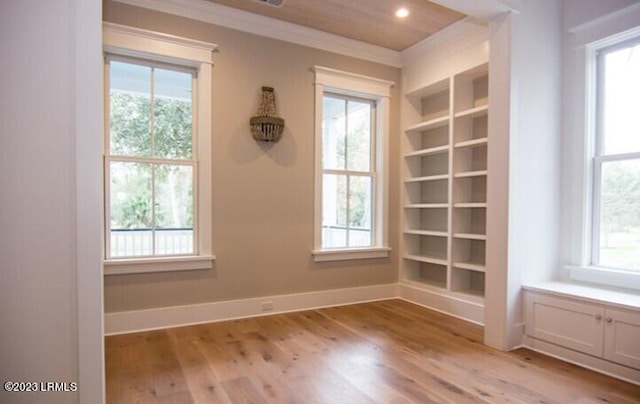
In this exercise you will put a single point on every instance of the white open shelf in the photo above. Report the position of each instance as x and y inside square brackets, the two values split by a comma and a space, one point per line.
[428, 125]
[431, 150]
[470, 266]
[475, 112]
[445, 185]
[473, 142]
[465, 174]
[433, 233]
[427, 178]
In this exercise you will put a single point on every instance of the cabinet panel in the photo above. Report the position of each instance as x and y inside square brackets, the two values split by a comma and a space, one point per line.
[572, 325]
[622, 337]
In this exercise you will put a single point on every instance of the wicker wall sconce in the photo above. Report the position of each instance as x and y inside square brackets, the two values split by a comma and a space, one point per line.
[266, 125]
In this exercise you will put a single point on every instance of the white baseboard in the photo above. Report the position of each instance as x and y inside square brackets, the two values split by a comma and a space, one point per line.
[586, 361]
[443, 302]
[176, 316]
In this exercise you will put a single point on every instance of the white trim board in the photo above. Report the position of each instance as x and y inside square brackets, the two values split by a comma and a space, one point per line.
[176, 316]
[443, 302]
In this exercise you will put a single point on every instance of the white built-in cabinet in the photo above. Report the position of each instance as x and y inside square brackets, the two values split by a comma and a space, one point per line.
[567, 326]
[445, 185]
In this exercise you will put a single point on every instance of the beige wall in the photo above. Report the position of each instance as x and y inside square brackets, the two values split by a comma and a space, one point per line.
[262, 193]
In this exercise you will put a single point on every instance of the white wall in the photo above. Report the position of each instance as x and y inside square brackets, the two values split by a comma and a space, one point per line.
[42, 49]
[579, 12]
[459, 47]
[529, 94]
[535, 140]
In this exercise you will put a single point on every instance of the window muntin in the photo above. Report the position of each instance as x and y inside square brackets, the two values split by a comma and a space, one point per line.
[150, 167]
[616, 162]
[348, 127]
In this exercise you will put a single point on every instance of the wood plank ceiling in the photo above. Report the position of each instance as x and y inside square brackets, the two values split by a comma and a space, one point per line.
[370, 21]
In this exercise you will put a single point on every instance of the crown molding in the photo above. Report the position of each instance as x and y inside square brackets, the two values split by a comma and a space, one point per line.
[464, 33]
[483, 10]
[612, 27]
[241, 20]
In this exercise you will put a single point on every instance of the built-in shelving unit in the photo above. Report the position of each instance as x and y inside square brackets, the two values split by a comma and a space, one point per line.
[445, 186]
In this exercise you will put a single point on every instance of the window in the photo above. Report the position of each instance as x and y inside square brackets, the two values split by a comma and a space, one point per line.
[150, 166]
[616, 161]
[351, 136]
[347, 172]
[157, 146]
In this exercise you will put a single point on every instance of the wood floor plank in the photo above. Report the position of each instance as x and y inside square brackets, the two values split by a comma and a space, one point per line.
[132, 376]
[242, 391]
[320, 383]
[382, 352]
[256, 357]
[167, 372]
[200, 378]
[461, 358]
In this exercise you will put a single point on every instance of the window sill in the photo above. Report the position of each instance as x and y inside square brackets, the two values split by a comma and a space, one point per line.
[350, 254]
[164, 264]
[606, 277]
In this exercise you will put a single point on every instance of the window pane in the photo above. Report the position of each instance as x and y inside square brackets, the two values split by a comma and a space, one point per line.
[172, 113]
[359, 136]
[621, 109]
[620, 215]
[333, 133]
[131, 204]
[334, 211]
[130, 109]
[359, 211]
[174, 209]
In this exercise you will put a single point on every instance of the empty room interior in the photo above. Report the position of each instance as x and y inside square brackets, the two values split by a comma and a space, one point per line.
[332, 201]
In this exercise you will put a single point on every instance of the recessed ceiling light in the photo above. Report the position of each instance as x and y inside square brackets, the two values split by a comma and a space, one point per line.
[275, 3]
[402, 12]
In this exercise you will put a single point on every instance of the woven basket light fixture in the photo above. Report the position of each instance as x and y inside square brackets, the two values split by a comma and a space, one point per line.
[266, 125]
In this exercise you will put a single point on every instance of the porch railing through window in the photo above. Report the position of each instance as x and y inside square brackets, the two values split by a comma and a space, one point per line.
[139, 242]
[337, 235]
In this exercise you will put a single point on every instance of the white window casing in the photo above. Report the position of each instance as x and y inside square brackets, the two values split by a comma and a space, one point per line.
[354, 85]
[119, 40]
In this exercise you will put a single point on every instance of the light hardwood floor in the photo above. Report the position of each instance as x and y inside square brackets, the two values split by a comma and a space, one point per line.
[382, 352]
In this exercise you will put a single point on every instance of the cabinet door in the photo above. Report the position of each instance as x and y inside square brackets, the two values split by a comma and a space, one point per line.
[566, 323]
[622, 338]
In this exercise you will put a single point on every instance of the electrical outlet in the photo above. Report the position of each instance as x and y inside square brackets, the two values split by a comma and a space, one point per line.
[267, 306]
